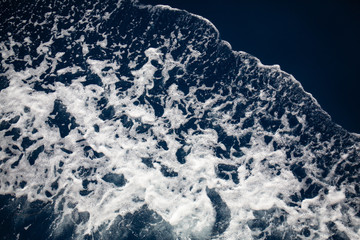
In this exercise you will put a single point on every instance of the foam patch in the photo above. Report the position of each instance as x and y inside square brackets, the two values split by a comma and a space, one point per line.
[120, 120]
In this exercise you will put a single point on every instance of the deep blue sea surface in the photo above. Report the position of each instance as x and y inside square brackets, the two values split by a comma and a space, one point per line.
[120, 120]
[316, 41]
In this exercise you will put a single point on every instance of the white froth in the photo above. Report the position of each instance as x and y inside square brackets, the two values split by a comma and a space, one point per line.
[182, 201]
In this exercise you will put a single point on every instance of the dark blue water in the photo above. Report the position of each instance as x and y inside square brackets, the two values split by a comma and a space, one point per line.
[125, 121]
[317, 42]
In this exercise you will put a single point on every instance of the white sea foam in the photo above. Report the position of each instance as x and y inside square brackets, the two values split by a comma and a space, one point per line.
[265, 180]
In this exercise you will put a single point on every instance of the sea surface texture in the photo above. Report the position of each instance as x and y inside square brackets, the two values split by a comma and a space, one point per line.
[126, 121]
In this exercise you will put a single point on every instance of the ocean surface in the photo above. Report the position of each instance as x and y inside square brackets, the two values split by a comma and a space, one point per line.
[121, 120]
[316, 41]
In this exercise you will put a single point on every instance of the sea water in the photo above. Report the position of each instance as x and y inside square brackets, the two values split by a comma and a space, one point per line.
[128, 121]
